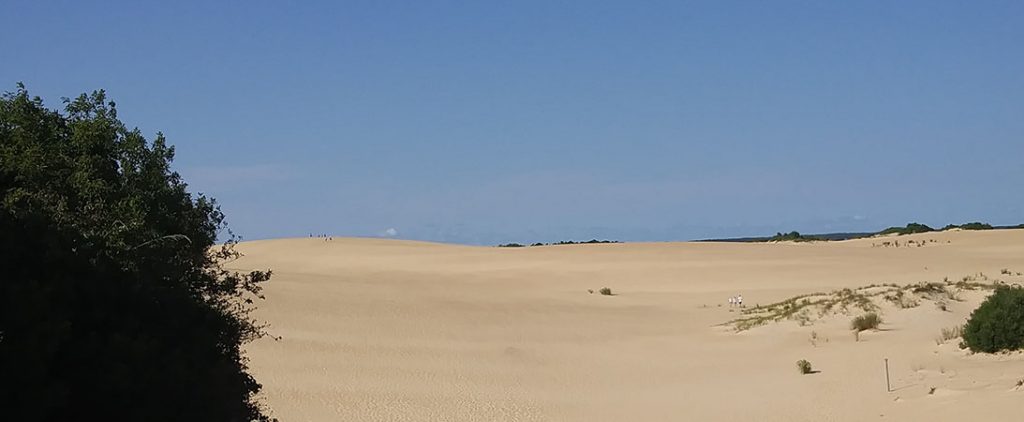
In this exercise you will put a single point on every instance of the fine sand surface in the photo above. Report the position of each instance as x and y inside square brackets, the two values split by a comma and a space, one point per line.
[388, 330]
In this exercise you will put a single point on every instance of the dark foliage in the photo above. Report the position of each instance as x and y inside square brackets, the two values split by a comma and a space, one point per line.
[113, 301]
[588, 242]
[563, 242]
[868, 321]
[793, 236]
[970, 226]
[804, 367]
[909, 229]
[998, 323]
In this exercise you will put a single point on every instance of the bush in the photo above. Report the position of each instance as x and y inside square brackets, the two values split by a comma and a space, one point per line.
[803, 366]
[998, 323]
[605, 291]
[114, 302]
[868, 321]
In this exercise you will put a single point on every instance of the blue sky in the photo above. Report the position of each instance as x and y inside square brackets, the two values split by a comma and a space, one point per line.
[486, 122]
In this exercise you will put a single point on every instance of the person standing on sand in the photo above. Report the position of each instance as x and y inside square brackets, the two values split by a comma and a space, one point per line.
[732, 300]
[739, 300]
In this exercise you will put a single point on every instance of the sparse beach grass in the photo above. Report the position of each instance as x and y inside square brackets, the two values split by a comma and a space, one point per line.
[806, 308]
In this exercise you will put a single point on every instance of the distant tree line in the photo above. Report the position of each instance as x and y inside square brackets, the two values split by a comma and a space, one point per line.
[921, 228]
[910, 228]
[969, 226]
[564, 242]
[793, 236]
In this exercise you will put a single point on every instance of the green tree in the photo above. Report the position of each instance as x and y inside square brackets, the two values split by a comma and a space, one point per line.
[114, 302]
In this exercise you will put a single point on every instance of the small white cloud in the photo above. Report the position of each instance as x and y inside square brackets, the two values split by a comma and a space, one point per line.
[390, 232]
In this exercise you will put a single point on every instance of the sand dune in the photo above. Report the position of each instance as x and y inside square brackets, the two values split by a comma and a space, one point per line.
[411, 331]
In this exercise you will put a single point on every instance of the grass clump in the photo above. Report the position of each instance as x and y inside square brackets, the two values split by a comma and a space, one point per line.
[868, 321]
[998, 323]
[947, 334]
[901, 300]
[804, 366]
[605, 291]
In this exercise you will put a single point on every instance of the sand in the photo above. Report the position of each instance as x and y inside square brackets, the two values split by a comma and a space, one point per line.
[389, 330]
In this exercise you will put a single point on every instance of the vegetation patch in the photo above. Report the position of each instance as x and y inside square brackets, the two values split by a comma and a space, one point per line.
[902, 300]
[804, 367]
[947, 334]
[564, 242]
[909, 229]
[970, 226]
[868, 321]
[805, 308]
[793, 236]
[115, 302]
[998, 323]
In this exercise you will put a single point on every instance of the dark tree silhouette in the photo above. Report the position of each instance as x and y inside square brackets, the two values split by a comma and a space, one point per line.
[114, 302]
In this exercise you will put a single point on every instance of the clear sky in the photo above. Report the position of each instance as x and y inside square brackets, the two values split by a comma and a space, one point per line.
[486, 122]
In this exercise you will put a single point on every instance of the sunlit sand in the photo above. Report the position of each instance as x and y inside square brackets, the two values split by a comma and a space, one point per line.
[395, 330]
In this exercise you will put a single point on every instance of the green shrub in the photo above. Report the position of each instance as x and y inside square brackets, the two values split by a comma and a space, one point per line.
[998, 323]
[803, 366]
[867, 321]
[605, 291]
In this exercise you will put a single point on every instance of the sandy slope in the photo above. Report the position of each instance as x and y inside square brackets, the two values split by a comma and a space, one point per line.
[409, 331]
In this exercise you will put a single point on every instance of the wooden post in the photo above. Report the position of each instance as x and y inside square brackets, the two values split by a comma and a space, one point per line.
[888, 388]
